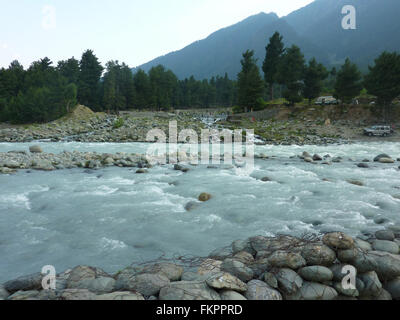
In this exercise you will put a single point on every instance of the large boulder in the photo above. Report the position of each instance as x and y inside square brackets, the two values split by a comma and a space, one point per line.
[318, 254]
[146, 283]
[372, 285]
[383, 155]
[393, 287]
[270, 245]
[388, 265]
[316, 274]
[4, 294]
[99, 285]
[338, 240]
[385, 235]
[259, 290]
[80, 273]
[172, 271]
[314, 291]
[362, 261]
[385, 245]
[288, 281]
[203, 197]
[188, 290]
[24, 283]
[238, 269]
[226, 281]
[35, 149]
[348, 292]
[284, 259]
[209, 266]
[24, 295]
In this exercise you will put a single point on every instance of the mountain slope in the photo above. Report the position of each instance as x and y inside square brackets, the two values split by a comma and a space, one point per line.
[378, 25]
[316, 29]
[222, 51]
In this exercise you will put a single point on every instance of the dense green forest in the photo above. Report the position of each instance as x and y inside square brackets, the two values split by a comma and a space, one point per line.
[45, 92]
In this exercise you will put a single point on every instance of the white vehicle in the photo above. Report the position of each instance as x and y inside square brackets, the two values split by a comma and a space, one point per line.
[327, 100]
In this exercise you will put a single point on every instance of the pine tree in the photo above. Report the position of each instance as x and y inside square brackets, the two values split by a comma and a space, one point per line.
[89, 80]
[291, 72]
[314, 75]
[383, 79]
[348, 82]
[250, 83]
[69, 69]
[275, 50]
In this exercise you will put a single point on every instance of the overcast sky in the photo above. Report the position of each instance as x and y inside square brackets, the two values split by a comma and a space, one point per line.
[131, 31]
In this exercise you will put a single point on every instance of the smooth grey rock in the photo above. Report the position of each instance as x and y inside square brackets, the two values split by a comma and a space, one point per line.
[388, 265]
[226, 281]
[314, 291]
[363, 245]
[238, 269]
[147, 284]
[378, 157]
[172, 271]
[259, 290]
[284, 259]
[270, 279]
[24, 283]
[288, 281]
[100, 285]
[24, 295]
[77, 294]
[318, 254]
[316, 274]
[362, 261]
[372, 284]
[78, 274]
[385, 245]
[231, 295]
[393, 287]
[385, 235]
[4, 294]
[188, 290]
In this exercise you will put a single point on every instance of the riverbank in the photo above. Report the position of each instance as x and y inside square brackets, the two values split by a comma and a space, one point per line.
[258, 268]
[36, 159]
[306, 128]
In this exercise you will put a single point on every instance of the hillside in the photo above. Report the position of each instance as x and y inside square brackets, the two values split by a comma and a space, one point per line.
[316, 29]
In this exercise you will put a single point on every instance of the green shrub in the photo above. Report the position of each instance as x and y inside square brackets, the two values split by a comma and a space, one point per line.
[118, 123]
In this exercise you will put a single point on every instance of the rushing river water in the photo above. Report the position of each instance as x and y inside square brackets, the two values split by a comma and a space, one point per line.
[112, 217]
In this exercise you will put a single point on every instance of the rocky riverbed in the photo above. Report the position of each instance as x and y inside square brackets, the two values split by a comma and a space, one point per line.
[257, 268]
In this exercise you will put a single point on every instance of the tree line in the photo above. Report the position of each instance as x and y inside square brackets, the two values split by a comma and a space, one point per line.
[286, 69]
[45, 92]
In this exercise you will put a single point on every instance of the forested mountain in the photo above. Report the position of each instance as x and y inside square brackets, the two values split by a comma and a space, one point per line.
[316, 29]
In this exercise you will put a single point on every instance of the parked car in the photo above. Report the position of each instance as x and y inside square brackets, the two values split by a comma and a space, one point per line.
[326, 100]
[383, 131]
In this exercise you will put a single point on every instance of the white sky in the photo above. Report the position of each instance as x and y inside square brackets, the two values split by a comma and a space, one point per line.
[132, 31]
